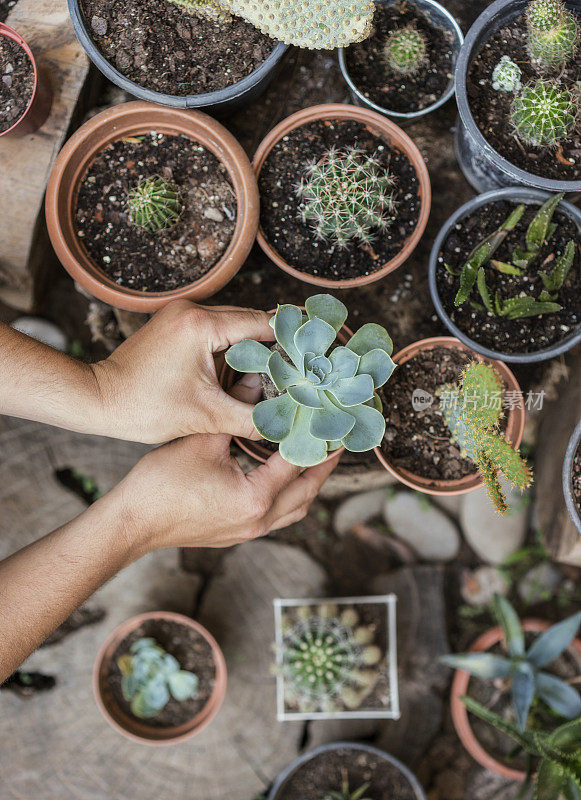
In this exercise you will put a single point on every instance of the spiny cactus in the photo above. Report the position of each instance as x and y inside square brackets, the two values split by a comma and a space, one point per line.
[150, 676]
[154, 204]
[347, 195]
[405, 50]
[326, 657]
[345, 793]
[553, 32]
[543, 114]
[523, 668]
[472, 411]
[506, 76]
[314, 24]
[325, 402]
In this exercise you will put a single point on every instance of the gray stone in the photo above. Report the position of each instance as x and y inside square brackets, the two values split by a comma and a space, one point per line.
[423, 526]
[358, 508]
[539, 583]
[493, 536]
[213, 214]
[479, 586]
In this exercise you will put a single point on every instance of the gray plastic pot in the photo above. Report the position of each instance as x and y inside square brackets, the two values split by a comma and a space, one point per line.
[483, 167]
[286, 774]
[221, 102]
[517, 194]
[439, 17]
[574, 442]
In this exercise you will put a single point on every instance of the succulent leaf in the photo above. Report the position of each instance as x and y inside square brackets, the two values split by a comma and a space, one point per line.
[331, 423]
[281, 373]
[287, 320]
[554, 280]
[315, 336]
[560, 696]
[537, 232]
[480, 665]
[182, 685]
[370, 337]
[550, 644]
[300, 447]
[327, 308]
[377, 364]
[368, 430]
[508, 619]
[523, 692]
[274, 418]
[248, 356]
[344, 362]
[305, 395]
[353, 391]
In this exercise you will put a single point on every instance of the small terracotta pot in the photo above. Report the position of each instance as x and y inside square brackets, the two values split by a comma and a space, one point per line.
[514, 429]
[379, 126]
[140, 731]
[460, 683]
[40, 103]
[131, 119]
[227, 377]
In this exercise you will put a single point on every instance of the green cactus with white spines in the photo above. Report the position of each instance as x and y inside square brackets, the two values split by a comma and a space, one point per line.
[553, 33]
[325, 658]
[154, 204]
[314, 24]
[472, 412]
[346, 194]
[506, 76]
[544, 114]
[405, 50]
[325, 402]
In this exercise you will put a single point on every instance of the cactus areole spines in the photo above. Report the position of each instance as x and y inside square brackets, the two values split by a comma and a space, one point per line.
[553, 33]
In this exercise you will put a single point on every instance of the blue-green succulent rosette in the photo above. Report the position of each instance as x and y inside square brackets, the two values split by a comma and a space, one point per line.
[327, 399]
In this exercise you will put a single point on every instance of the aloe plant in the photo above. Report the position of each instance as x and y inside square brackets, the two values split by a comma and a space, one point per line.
[325, 401]
[523, 668]
[345, 793]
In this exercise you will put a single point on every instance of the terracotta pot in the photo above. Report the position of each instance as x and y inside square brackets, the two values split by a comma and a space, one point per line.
[227, 378]
[460, 683]
[40, 103]
[130, 119]
[514, 429]
[380, 126]
[138, 730]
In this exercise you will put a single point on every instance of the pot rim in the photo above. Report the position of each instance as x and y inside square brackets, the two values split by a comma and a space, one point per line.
[460, 682]
[381, 127]
[181, 732]
[568, 476]
[514, 429]
[408, 115]
[10, 33]
[109, 126]
[514, 193]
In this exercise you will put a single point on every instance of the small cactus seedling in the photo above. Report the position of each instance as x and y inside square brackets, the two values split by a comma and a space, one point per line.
[506, 76]
[523, 668]
[154, 205]
[544, 114]
[405, 50]
[553, 33]
[325, 402]
[150, 676]
[347, 195]
[472, 411]
[326, 657]
[345, 793]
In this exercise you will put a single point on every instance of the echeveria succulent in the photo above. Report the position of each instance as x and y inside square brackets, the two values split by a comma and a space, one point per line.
[327, 396]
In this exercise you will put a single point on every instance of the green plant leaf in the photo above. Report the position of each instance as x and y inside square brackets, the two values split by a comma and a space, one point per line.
[570, 791]
[550, 781]
[300, 447]
[524, 738]
[141, 709]
[129, 686]
[482, 665]
[287, 320]
[523, 692]
[281, 373]
[484, 291]
[521, 307]
[306, 395]
[331, 423]
[556, 278]
[377, 364]
[169, 664]
[370, 337]
[368, 430]
[550, 644]
[557, 694]
[248, 356]
[344, 361]
[145, 642]
[567, 735]
[506, 269]
[183, 685]
[315, 336]
[327, 308]
[538, 228]
[273, 418]
[510, 623]
[155, 693]
[353, 391]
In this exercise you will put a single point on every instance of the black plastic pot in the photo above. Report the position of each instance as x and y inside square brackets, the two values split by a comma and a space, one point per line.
[483, 167]
[284, 776]
[219, 103]
[517, 194]
[567, 470]
[439, 17]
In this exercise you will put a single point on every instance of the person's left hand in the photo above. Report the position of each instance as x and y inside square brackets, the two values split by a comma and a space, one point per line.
[161, 383]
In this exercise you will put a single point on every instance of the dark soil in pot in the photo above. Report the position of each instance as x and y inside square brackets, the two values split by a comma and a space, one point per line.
[499, 333]
[576, 479]
[419, 441]
[324, 773]
[192, 652]
[296, 240]
[16, 82]
[370, 72]
[491, 109]
[158, 45]
[167, 259]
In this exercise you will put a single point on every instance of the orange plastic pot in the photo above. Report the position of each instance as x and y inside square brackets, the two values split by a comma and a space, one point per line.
[138, 730]
[460, 683]
[40, 102]
[132, 119]
[384, 129]
[514, 428]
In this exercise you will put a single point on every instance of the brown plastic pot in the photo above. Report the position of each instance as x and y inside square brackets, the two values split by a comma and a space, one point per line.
[514, 428]
[40, 103]
[460, 683]
[140, 731]
[131, 119]
[379, 126]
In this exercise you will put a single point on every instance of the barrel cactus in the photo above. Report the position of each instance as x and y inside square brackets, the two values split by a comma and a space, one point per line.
[544, 114]
[553, 32]
[150, 676]
[154, 204]
[346, 194]
[325, 402]
[405, 50]
[506, 76]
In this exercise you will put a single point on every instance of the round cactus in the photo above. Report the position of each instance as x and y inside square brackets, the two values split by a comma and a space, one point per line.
[405, 50]
[154, 204]
[543, 114]
[553, 32]
[506, 76]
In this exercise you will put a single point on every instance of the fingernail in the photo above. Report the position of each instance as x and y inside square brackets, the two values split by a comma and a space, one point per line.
[251, 380]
